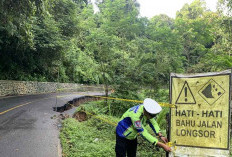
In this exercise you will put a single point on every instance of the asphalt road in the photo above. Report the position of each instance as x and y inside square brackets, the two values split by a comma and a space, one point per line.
[29, 126]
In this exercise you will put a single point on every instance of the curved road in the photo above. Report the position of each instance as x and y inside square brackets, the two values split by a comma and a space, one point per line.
[29, 126]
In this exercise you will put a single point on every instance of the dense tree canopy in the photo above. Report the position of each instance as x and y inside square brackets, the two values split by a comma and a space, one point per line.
[65, 41]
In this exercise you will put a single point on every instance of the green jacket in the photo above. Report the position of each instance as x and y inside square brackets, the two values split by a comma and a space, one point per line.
[133, 123]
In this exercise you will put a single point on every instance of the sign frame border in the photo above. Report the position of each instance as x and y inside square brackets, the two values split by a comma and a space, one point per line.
[226, 72]
[185, 82]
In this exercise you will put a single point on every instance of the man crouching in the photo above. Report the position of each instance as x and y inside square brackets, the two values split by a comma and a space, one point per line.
[133, 123]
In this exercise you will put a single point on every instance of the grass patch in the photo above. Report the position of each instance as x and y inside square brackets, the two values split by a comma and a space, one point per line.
[231, 146]
[94, 138]
[97, 138]
[86, 139]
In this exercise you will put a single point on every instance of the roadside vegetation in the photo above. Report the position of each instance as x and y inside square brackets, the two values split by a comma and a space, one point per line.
[66, 41]
[96, 135]
[231, 146]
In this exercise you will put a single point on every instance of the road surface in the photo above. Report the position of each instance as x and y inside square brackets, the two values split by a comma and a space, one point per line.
[29, 126]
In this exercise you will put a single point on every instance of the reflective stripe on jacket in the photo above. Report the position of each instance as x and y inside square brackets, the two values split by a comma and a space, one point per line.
[133, 122]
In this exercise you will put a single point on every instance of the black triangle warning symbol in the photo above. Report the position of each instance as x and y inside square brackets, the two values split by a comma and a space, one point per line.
[186, 95]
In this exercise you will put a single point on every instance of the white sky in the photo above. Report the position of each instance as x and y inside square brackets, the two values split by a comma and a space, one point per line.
[150, 8]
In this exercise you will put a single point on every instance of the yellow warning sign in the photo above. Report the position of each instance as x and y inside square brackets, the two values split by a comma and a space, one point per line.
[211, 92]
[186, 95]
[201, 118]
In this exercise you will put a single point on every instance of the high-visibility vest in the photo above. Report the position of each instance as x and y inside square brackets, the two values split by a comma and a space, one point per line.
[133, 123]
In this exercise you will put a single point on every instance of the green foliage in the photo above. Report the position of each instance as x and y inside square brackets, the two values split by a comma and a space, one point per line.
[162, 95]
[120, 18]
[97, 137]
[95, 107]
[79, 139]
[225, 4]
[230, 146]
[196, 31]
[65, 41]
[218, 56]
[34, 38]
[162, 120]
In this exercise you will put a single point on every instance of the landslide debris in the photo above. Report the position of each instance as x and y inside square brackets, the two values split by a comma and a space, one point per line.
[80, 116]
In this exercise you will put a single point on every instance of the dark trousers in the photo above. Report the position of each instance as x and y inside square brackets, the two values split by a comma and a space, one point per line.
[124, 146]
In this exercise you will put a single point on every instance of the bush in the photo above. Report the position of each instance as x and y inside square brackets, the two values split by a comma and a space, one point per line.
[96, 136]
[86, 139]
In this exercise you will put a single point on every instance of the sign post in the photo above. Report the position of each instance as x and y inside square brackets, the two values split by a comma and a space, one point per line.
[200, 123]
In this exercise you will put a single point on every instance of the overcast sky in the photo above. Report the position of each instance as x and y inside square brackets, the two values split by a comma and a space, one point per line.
[150, 8]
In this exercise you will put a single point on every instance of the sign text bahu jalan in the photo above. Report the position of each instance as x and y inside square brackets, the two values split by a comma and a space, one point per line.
[201, 118]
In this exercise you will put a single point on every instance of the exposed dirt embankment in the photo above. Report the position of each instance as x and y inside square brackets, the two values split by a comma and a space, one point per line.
[80, 115]
[75, 103]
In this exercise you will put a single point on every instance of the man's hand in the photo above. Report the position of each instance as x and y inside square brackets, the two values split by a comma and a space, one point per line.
[164, 146]
[167, 148]
[164, 139]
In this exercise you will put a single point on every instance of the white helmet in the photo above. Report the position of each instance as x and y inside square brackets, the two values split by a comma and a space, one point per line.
[151, 106]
